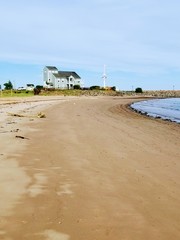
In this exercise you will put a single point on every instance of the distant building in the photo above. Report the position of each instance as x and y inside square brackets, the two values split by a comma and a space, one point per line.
[21, 88]
[60, 79]
[30, 87]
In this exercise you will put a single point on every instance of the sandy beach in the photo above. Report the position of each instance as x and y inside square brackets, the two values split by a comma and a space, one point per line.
[91, 170]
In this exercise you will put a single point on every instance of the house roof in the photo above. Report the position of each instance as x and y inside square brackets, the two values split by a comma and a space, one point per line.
[65, 74]
[51, 68]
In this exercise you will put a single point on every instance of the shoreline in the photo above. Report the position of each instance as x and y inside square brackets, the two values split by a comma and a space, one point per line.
[157, 117]
[89, 170]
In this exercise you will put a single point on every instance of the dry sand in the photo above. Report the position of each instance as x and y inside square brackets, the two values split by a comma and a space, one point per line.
[91, 170]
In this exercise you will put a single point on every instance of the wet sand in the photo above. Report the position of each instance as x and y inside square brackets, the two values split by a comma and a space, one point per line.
[92, 169]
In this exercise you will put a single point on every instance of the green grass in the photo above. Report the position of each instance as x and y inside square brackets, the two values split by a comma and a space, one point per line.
[76, 92]
[59, 92]
[16, 93]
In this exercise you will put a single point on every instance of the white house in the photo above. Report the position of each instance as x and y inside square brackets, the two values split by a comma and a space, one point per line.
[60, 79]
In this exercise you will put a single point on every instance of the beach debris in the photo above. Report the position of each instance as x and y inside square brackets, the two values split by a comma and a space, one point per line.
[16, 115]
[15, 130]
[17, 136]
[39, 115]
[10, 122]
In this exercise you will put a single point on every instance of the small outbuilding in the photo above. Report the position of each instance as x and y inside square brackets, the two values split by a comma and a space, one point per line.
[30, 87]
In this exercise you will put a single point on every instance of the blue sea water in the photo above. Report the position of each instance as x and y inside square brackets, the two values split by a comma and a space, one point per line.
[168, 108]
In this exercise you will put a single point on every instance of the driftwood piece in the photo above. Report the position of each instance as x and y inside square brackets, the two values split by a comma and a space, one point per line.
[16, 115]
[39, 115]
[17, 136]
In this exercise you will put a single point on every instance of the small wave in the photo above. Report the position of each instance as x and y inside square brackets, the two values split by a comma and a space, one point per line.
[168, 109]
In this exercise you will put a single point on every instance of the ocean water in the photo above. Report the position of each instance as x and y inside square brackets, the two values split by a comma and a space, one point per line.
[168, 108]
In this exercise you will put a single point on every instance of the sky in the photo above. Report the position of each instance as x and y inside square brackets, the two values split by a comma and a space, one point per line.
[137, 40]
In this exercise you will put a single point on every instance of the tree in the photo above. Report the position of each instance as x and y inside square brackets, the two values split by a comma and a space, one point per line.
[138, 90]
[8, 85]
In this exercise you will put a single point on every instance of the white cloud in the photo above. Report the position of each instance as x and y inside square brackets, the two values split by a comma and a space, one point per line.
[127, 35]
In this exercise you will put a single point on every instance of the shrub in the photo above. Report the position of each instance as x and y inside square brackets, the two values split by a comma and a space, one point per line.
[39, 87]
[77, 86]
[37, 91]
[138, 90]
[95, 88]
[113, 88]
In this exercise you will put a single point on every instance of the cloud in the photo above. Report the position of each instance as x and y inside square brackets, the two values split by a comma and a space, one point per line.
[127, 35]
